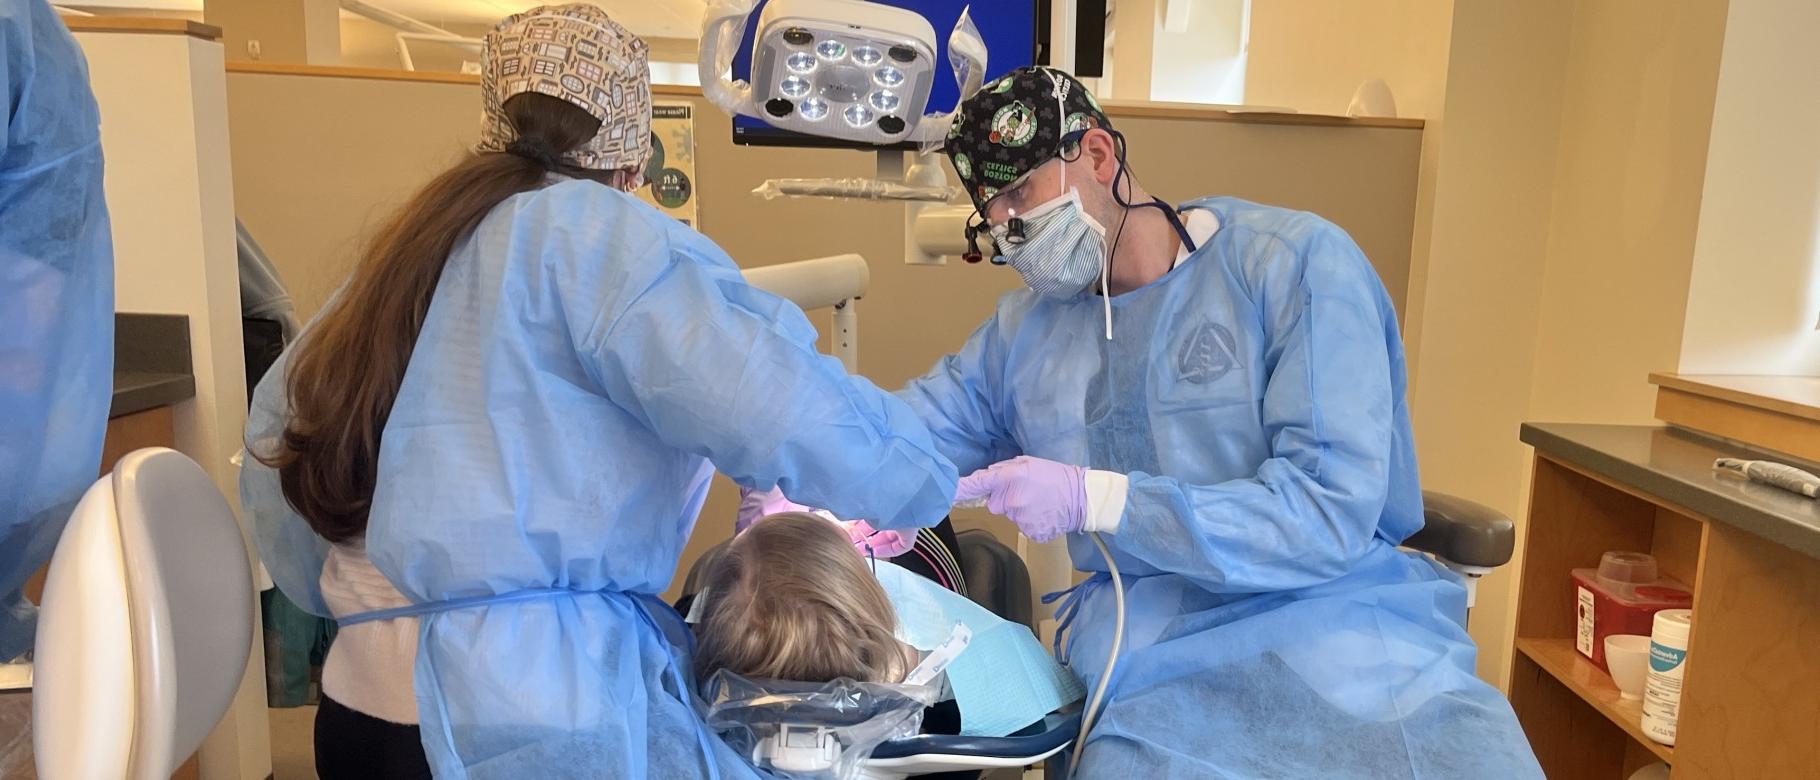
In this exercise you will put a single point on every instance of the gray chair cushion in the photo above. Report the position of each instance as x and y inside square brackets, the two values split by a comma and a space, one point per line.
[996, 578]
[1463, 532]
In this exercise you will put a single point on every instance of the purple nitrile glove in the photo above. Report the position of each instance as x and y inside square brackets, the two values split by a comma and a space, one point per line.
[754, 504]
[1045, 499]
[881, 544]
[757, 504]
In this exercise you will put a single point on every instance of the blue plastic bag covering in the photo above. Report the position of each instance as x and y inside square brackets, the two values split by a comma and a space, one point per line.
[832, 727]
[292, 553]
[1004, 680]
[56, 299]
[263, 295]
[1255, 398]
[586, 364]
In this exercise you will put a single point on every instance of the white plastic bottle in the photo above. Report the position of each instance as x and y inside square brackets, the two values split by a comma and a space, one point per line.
[1667, 665]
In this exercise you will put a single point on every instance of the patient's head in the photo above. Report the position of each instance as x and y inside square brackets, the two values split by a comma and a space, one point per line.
[790, 599]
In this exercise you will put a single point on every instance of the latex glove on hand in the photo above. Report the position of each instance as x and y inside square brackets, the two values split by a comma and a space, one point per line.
[879, 544]
[754, 504]
[1047, 499]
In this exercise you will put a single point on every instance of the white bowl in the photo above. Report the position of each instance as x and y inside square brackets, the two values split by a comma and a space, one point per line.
[1627, 656]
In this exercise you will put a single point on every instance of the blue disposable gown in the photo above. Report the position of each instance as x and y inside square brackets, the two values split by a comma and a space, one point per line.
[56, 299]
[1255, 398]
[585, 365]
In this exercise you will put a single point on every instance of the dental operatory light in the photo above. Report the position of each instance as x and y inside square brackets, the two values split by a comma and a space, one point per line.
[801, 50]
[870, 67]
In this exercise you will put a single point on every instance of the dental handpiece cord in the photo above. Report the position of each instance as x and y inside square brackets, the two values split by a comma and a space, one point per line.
[1092, 712]
[1788, 478]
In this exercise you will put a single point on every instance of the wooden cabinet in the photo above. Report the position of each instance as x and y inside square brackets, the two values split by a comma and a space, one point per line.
[153, 427]
[1750, 707]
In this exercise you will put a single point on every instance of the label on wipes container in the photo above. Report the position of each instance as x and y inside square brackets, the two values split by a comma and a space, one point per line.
[1664, 659]
[1662, 695]
[1583, 638]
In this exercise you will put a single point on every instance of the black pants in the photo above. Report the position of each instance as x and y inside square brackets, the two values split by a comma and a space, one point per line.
[353, 746]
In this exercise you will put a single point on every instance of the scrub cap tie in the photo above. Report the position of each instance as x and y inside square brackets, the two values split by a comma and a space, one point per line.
[1014, 124]
[576, 53]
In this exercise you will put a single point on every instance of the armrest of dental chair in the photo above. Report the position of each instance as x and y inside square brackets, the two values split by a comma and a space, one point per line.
[996, 578]
[1467, 537]
[1463, 532]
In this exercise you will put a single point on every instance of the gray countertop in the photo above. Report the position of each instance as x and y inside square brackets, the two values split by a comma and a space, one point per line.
[151, 362]
[137, 391]
[1677, 465]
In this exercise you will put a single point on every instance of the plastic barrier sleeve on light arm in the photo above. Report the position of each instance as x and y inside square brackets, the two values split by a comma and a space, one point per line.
[863, 189]
[723, 28]
[967, 56]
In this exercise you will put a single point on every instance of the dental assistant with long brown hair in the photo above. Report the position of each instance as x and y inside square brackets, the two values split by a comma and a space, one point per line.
[484, 456]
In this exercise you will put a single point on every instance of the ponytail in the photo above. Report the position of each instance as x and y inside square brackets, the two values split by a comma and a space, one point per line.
[344, 375]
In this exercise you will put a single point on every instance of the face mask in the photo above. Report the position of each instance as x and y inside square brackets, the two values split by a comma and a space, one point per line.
[1063, 251]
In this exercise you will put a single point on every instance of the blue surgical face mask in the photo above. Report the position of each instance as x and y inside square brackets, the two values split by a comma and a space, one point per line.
[1063, 250]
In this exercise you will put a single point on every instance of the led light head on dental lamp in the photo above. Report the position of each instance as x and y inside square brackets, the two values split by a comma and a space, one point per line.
[846, 69]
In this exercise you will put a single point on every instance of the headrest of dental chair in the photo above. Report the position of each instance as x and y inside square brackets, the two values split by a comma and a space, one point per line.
[804, 714]
[996, 578]
[831, 704]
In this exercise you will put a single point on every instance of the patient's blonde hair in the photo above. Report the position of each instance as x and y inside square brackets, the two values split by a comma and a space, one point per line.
[791, 599]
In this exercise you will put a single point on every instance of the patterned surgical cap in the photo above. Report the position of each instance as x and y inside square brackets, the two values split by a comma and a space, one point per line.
[1014, 124]
[576, 53]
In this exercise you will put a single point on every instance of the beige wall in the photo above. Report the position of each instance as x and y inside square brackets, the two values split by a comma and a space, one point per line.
[171, 204]
[1636, 113]
[1361, 178]
[369, 44]
[1311, 55]
[288, 31]
[1755, 298]
[1204, 62]
[1474, 314]
[1567, 180]
[311, 185]
[317, 161]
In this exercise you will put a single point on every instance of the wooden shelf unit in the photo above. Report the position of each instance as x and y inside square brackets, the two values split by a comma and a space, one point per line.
[1749, 702]
[1561, 661]
[1569, 707]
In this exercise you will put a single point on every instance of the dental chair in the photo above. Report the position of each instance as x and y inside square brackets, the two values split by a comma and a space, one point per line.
[996, 578]
[146, 624]
[1468, 538]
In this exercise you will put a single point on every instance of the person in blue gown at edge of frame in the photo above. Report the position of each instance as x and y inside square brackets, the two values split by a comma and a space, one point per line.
[1218, 391]
[56, 300]
[510, 413]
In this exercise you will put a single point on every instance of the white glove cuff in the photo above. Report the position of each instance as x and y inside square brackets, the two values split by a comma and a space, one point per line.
[1105, 500]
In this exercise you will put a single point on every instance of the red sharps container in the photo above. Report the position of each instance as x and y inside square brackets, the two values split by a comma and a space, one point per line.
[1622, 596]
